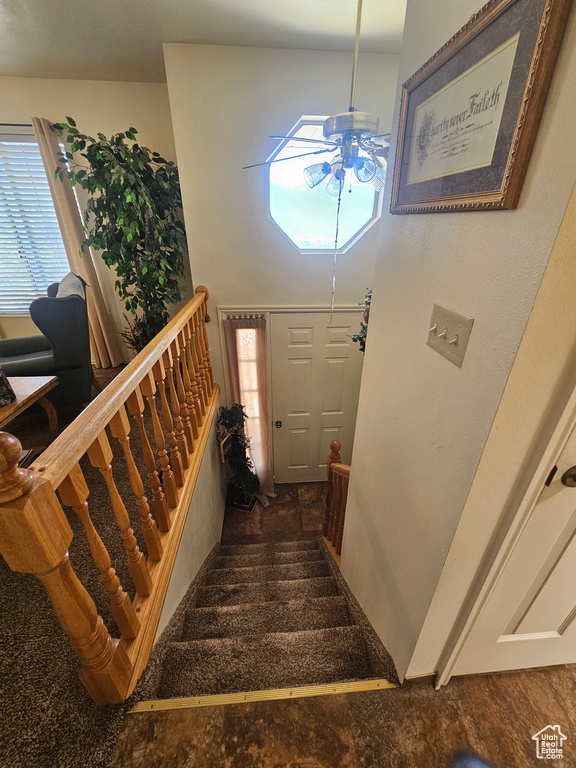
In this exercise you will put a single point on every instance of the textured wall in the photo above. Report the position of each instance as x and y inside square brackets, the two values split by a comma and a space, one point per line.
[225, 102]
[202, 530]
[422, 422]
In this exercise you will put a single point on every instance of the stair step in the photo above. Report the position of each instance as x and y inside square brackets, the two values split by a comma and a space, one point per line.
[290, 616]
[285, 572]
[255, 662]
[265, 591]
[267, 558]
[277, 546]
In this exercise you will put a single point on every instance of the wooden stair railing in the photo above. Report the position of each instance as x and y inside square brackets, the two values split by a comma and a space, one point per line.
[35, 535]
[336, 496]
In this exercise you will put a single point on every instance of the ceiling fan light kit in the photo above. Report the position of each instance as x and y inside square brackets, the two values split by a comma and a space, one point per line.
[353, 132]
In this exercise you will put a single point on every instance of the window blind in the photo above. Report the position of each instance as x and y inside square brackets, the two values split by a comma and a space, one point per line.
[32, 254]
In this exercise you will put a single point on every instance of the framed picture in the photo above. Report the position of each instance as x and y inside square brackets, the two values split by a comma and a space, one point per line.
[469, 116]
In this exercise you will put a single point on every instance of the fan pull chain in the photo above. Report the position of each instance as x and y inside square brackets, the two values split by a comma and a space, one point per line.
[335, 251]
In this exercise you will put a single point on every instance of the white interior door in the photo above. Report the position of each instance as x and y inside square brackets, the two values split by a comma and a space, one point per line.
[316, 372]
[529, 619]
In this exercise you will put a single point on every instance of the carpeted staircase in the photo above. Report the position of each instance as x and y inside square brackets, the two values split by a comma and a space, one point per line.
[269, 616]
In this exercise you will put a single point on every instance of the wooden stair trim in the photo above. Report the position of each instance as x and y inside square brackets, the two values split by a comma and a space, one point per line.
[275, 694]
[149, 609]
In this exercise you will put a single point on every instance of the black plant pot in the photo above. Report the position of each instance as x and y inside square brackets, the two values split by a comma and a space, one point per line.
[238, 499]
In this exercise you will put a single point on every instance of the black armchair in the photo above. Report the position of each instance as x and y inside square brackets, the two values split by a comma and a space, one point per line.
[63, 350]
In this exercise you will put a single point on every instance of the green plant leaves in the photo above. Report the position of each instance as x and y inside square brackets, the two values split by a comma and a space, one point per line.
[133, 219]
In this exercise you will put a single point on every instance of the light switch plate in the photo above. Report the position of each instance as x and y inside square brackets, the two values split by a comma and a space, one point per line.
[449, 333]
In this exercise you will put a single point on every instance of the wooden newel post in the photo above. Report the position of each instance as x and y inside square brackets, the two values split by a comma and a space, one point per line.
[34, 538]
[333, 457]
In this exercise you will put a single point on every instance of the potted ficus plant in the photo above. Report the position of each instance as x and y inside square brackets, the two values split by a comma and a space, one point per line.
[234, 444]
[133, 219]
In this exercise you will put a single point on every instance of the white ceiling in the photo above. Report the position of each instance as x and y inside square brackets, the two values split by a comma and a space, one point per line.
[122, 39]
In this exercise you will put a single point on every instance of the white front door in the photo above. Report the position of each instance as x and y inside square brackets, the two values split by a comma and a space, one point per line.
[529, 619]
[316, 371]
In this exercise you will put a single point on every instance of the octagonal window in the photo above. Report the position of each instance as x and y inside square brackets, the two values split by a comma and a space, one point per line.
[308, 216]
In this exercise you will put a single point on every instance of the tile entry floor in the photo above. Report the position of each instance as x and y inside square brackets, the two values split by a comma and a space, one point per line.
[494, 716]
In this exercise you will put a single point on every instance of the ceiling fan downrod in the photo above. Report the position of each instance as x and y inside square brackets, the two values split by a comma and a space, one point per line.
[352, 125]
[356, 52]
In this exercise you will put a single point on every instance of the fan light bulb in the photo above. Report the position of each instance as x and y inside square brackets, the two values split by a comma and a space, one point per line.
[316, 173]
[334, 186]
[365, 169]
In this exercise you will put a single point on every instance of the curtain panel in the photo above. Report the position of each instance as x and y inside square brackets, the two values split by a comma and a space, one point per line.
[262, 458]
[103, 343]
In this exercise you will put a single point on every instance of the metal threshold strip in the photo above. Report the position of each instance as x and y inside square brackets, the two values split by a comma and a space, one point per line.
[223, 699]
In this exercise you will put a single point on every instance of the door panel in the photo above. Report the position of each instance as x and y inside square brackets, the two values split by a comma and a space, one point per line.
[528, 620]
[316, 371]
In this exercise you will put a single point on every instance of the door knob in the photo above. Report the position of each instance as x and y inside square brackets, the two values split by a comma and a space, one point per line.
[278, 424]
[569, 477]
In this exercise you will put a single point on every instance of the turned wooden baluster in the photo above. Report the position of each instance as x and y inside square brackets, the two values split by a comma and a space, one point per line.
[135, 405]
[148, 388]
[333, 456]
[100, 455]
[73, 492]
[34, 538]
[199, 339]
[159, 373]
[120, 428]
[175, 410]
[184, 413]
[203, 316]
[193, 371]
[187, 373]
[194, 351]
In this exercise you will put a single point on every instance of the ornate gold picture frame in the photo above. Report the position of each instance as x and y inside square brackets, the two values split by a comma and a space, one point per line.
[469, 116]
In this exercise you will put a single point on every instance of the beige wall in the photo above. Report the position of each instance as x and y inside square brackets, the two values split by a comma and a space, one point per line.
[423, 423]
[202, 530]
[225, 102]
[107, 107]
[541, 382]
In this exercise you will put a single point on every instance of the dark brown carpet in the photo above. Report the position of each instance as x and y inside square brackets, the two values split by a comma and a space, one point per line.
[48, 720]
[255, 622]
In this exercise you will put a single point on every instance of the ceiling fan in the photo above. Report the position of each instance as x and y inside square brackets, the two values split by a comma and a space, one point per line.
[352, 134]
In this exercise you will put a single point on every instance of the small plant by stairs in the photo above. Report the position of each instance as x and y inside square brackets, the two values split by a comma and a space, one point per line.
[269, 616]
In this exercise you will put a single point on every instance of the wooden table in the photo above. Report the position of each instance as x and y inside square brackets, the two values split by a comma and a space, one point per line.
[28, 390]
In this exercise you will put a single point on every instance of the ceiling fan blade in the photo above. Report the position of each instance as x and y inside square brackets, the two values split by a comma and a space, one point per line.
[292, 157]
[302, 138]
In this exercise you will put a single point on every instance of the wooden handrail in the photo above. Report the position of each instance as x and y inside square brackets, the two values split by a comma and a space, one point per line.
[336, 497]
[34, 532]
